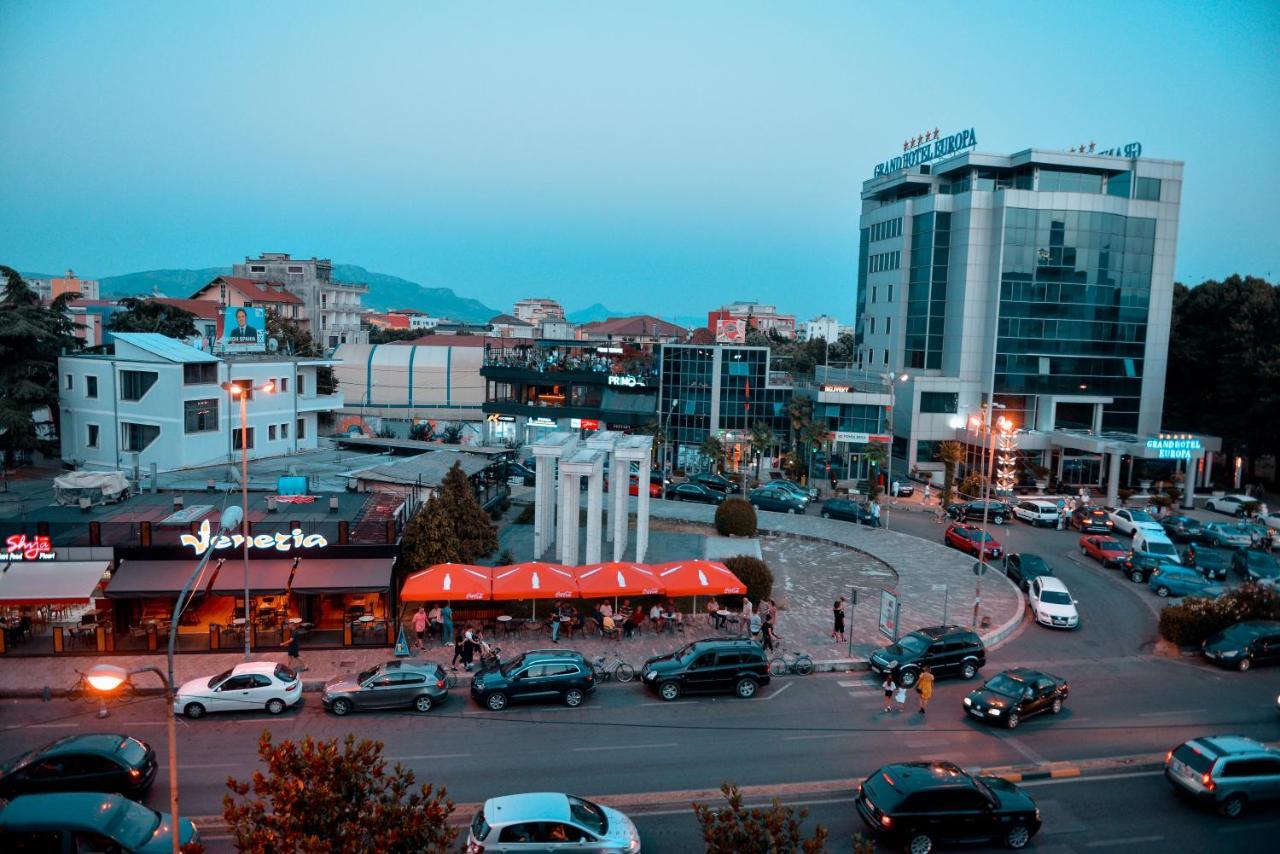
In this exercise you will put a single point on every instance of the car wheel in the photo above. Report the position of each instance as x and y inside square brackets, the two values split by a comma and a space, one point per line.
[275, 706]
[1017, 837]
[968, 670]
[1135, 577]
[1244, 664]
[341, 707]
[919, 843]
[746, 688]
[573, 698]
[791, 510]
[1232, 807]
[907, 678]
[826, 515]
[497, 701]
[1013, 720]
[1057, 705]
[668, 691]
[999, 520]
[193, 710]
[1084, 551]
[423, 703]
[1162, 592]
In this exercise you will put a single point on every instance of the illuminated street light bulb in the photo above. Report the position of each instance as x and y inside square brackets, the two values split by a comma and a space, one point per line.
[106, 677]
[268, 387]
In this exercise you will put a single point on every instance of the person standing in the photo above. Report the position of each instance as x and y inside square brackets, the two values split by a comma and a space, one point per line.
[295, 660]
[420, 626]
[754, 625]
[433, 620]
[768, 636]
[837, 619]
[446, 624]
[555, 622]
[746, 612]
[896, 487]
[926, 493]
[875, 514]
[889, 687]
[924, 688]
[900, 699]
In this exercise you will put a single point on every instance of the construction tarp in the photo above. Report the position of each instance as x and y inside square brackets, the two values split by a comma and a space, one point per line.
[100, 487]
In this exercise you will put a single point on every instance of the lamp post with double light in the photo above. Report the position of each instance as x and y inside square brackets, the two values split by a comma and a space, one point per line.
[107, 678]
[1003, 424]
[891, 382]
[243, 390]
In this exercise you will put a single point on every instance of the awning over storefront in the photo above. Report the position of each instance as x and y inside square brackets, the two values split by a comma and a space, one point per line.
[265, 576]
[335, 575]
[135, 578]
[51, 582]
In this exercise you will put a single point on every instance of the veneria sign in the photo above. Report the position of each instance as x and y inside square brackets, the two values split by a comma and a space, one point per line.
[280, 541]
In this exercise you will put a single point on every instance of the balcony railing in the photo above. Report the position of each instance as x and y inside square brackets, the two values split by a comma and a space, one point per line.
[320, 402]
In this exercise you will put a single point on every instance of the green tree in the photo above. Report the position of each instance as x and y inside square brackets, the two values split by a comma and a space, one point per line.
[296, 341]
[324, 796]
[32, 336]
[713, 449]
[451, 433]
[430, 537]
[147, 315]
[732, 828]
[950, 454]
[876, 453]
[381, 335]
[471, 525]
[762, 440]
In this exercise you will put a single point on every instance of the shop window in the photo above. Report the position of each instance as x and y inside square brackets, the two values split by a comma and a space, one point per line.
[135, 384]
[200, 416]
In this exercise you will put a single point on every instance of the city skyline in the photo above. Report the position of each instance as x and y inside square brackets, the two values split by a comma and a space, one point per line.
[678, 159]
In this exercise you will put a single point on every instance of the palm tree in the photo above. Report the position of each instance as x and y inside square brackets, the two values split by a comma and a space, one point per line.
[713, 449]
[762, 439]
[950, 454]
[876, 454]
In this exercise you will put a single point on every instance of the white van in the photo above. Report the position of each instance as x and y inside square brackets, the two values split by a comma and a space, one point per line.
[1156, 544]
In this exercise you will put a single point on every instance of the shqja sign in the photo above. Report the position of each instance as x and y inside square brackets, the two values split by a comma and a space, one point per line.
[280, 541]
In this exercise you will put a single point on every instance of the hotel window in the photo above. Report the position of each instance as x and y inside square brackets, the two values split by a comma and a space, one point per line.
[888, 325]
[939, 402]
[873, 327]
[886, 357]
[1069, 182]
[257, 268]
[200, 416]
[137, 437]
[284, 384]
[91, 435]
[200, 373]
[271, 432]
[890, 299]
[302, 384]
[284, 430]
[135, 384]
[1120, 185]
[236, 436]
[302, 428]
[90, 386]
[873, 294]
[1147, 189]
[70, 382]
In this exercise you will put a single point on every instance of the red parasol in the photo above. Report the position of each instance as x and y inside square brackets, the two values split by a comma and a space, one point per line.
[617, 579]
[699, 578]
[450, 582]
[534, 580]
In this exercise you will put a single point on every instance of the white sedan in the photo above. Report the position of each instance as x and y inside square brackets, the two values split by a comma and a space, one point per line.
[248, 687]
[1232, 505]
[1051, 604]
[1133, 521]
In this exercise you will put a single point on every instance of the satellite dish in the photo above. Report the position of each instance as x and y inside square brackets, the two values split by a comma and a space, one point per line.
[272, 345]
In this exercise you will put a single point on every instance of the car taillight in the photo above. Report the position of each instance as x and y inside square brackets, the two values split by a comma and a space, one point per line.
[1207, 782]
[439, 683]
[135, 773]
[474, 848]
[1167, 757]
[591, 677]
[886, 821]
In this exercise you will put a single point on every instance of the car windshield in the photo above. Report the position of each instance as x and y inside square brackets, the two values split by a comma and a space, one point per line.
[588, 815]
[285, 674]
[1239, 632]
[1140, 516]
[1110, 545]
[132, 751]
[132, 824]
[1006, 685]
[217, 680]
[1159, 548]
[1054, 597]
[911, 643]
[366, 675]
[1193, 759]
[1034, 564]
[980, 536]
[512, 666]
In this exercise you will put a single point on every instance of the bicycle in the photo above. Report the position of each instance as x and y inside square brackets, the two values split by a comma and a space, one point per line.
[613, 667]
[82, 690]
[791, 662]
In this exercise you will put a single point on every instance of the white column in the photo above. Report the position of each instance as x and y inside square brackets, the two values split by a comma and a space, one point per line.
[642, 512]
[1208, 469]
[595, 494]
[1062, 459]
[562, 523]
[618, 482]
[542, 526]
[1113, 479]
[1189, 485]
[571, 506]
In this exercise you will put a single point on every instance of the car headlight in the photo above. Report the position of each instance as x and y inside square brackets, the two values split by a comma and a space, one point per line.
[995, 713]
[892, 664]
[651, 675]
[968, 702]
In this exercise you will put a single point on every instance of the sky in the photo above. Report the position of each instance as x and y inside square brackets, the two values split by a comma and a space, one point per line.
[660, 157]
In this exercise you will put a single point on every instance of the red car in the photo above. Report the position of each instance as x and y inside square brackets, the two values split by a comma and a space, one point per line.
[1106, 550]
[655, 487]
[972, 539]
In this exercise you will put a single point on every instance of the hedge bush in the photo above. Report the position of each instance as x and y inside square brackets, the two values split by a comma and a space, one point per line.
[735, 517]
[1194, 619]
[754, 573]
[526, 515]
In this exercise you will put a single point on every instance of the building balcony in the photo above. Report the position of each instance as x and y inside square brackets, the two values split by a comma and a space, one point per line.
[320, 402]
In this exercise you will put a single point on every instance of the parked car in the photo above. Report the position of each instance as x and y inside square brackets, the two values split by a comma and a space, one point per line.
[849, 511]
[713, 666]
[1051, 603]
[775, 498]
[527, 822]
[539, 674]
[1227, 772]
[1271, 519]
[1015, 694]
[1023, 567]
[1232, 505]
[1257, 531]
[88, 821]
[1212, 564]
[1130, 522]
[1245, 644]
[810, 494]
[718, 482]
[974, 511]
[655, 484]
[96, 762]
[1036, 512]
[1091, 519]
[1169, 579]
[1156, 544]
[1181, 529]
[247, 687]
[1106, 550]
[971, 539]
[946, 650]
[1255, 566]
[1234, 536]
[904, 490]
[691, 491]
[917, 804]
[398, 684]
[1139, 566]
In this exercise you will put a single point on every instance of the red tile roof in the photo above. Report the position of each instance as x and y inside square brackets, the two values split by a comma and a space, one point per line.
[702, 335]
[199, 307]
[257, 291]
[640, 324]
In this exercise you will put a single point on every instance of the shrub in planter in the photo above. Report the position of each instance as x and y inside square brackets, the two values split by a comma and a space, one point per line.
[526, 515]
[754, 573]
[1194, 620]
[1125, 495]
[736, 518]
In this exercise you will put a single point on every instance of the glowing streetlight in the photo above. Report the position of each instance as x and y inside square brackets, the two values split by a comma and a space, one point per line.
[106, 677]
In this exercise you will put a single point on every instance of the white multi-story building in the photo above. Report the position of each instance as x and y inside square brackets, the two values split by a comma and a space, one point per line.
[333, 308]
[826, 327]
[534, 310]
[158, 400]
[1041, 282]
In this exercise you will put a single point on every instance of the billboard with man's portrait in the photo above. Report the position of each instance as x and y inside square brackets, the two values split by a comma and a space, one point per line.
[244, 329]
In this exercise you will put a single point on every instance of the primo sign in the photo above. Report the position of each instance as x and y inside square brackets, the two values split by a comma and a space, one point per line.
[915, 152]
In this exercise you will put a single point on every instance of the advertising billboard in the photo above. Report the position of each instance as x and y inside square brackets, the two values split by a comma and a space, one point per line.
[244, 329]
[731, 331]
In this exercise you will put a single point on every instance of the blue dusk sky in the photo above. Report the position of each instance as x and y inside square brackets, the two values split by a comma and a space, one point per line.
[661, 157]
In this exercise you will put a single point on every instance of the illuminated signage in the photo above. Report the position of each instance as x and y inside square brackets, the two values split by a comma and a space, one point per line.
[926, 147]
[280, 541]
[22, 547]
[584, 423]
[542, 422]
[1175, 447]
[860, 438]
[837, 388]
[627, 381]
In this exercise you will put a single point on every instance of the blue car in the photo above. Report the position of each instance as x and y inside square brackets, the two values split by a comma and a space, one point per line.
[1169, 579]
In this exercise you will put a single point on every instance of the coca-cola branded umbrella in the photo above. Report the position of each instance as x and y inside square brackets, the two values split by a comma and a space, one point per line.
[450, 582]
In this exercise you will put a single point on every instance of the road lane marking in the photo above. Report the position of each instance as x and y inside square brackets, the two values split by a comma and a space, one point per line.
[1055, 781]
[1129, 840]
[626, 747]
[427, 756]
[778, 691]
[1173, 712]
[43, 726]
[818, 735]
[858, 683]
[670, 703]
[1017, 745]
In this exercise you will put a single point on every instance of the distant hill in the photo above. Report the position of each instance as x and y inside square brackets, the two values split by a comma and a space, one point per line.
[385, 291]
[591, 313]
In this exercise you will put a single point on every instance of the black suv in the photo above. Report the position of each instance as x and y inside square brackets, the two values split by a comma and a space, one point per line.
[1255, 566]
[1021, 568]
[716, 482]
[709, 666]
[947, 650]
[539, 674]
[920, 803]
[973, 511]
[1139, 566]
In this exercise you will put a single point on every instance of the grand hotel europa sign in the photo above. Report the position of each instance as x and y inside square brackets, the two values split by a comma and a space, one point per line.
[926, 147]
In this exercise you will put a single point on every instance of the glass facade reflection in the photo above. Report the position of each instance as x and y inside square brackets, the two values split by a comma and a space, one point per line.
[927, 289]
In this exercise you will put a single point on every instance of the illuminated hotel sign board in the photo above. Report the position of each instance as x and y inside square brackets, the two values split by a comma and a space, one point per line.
[926, 147]
[1175, 447]
[279, 541]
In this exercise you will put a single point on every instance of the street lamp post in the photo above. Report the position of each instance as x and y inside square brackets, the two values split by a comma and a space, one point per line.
[108, 677]
[666, 446]
[986, 510]
[242, 389]
[891, 381]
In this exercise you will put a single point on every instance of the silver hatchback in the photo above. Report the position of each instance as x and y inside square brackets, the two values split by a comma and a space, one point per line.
[1228, 771]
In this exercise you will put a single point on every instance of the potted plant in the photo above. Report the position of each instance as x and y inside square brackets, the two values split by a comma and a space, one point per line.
[1041, 474]
[1124, 496]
